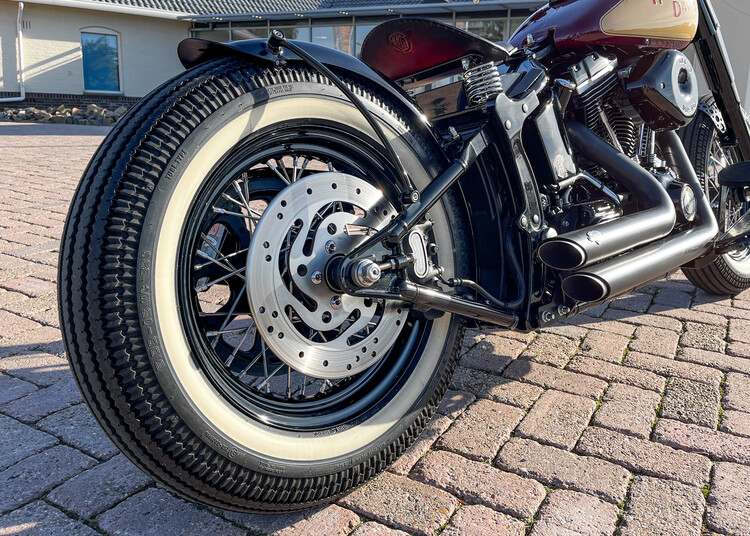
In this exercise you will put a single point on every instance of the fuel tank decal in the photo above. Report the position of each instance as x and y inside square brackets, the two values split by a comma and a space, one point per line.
[652, 19]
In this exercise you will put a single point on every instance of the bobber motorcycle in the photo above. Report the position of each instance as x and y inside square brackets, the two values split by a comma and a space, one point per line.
[270, 262]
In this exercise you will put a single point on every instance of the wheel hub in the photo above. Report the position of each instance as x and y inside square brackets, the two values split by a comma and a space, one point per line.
[307, 325]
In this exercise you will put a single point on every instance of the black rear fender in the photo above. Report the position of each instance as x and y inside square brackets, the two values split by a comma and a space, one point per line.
[193, 52]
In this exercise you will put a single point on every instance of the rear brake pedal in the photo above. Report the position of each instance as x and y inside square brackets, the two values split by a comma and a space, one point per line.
[736, 238]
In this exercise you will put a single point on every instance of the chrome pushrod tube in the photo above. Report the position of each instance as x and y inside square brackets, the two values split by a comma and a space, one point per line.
[649, 263]
[580, 248]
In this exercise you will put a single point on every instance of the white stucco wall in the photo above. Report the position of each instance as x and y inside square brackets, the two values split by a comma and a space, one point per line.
[52, 48]
[735, 25]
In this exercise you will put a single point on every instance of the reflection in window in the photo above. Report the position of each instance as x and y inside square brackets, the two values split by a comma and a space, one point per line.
[338, 37]
[361, 32]
[260, 32]
[493, 30]
[101, 71]
[213, 35]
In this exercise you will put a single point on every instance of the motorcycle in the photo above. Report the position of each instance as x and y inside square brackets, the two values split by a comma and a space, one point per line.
[270, 263]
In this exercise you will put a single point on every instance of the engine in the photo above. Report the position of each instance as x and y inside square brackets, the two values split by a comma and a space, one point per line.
[625, 107]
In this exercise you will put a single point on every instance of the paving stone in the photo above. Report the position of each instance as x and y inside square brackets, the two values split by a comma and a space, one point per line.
[636, 302]
[605, 346]
[43, 402]
[455, 402]
[729, 499]
[376, 529]
[671, 367]
[472, 337]
[628, 410]
[76, 426]
[492, 354]
[40, 519]
[607, 325]
[402, 503]
[18, 441]
[563, 469]
[8, 297]
[11, 325]
[576, 333]
[655, 321]
[737, 392]
[30, 286]
[144, 514]
[739, 330]
[736, 422]
[99, 488]
[13, 388]
[615, 373]
[690, 401]
[739, 349]
[673, 297]
[330, 520]
[726, 363]
[438, 425]
[688, 315]
[34, 476]
[557, 419]
[481, 521]
[655, 341]
[662, 508]
[42, 338]
[479, 432]
[645, 457]
[551, 350]
[554, 378]
[704, 336]
[479, 483]
[39, 368]
[495, 388]
[694, 438]
[572, 513]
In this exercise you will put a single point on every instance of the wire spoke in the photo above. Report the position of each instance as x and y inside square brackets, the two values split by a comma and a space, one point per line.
[237, 273]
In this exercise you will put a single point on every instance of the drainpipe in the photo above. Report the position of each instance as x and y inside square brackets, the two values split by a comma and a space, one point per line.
[19, 30]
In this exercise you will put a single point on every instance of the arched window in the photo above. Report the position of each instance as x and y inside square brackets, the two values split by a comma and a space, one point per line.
[101, 60]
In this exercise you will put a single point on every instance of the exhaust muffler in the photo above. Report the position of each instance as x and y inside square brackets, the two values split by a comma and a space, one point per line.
[577, 249]
[654, 261]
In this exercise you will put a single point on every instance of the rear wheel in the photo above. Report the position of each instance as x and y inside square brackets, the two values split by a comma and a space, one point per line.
[729, 274]
[202, 336]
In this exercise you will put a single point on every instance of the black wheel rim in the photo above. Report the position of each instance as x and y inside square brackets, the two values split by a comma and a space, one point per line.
[222, 342]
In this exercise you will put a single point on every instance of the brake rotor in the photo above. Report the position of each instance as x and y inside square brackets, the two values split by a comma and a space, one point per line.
[306, 324]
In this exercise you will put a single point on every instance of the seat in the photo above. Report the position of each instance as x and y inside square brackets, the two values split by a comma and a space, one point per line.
[404, 47]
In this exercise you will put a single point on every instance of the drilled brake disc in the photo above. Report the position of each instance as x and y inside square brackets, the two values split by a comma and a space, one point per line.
[307, 325]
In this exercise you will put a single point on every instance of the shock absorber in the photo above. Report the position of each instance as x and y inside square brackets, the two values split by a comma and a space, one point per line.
[482, 83]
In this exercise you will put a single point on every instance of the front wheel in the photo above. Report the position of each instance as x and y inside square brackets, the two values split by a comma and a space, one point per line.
[193, 297]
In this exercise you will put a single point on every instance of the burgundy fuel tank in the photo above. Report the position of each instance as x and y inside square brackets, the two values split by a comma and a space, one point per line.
[629, 25]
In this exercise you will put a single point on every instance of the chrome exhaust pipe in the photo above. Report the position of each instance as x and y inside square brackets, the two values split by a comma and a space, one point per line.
[577, 249]
[625, 273]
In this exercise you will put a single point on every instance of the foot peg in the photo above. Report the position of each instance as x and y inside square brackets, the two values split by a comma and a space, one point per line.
[736, 238]
[735, 176]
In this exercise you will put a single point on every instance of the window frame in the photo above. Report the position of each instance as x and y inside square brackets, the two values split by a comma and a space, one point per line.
[120, 79]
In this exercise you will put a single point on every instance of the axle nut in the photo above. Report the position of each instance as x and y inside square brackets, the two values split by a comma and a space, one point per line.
[365, 273]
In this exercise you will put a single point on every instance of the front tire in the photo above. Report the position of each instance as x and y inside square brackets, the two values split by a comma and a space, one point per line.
[141, 340]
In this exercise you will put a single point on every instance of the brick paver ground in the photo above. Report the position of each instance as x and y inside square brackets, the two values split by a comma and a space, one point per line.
[631, 419]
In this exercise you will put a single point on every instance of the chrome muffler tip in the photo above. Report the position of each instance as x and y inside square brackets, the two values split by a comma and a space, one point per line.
[562, 254]
[583, 287]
